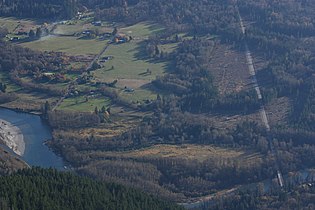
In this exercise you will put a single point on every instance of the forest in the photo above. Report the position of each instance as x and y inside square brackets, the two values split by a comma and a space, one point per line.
[38, 8]
[49, 189]
[176, 119]
[280, 33]
[300, 197]
[283, 33]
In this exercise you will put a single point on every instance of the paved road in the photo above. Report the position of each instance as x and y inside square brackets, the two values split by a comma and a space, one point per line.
[262, 111]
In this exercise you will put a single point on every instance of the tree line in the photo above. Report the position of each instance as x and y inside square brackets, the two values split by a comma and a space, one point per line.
[38, 8]
[38, 188]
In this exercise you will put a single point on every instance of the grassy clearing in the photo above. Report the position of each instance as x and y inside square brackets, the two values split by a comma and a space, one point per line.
[78, 65]
[187, 151]
[123, 120]
[80, 104]
[143, 30]
[12, 23]
[69, 45]
[169, 48]
[129, 61]
[9, 23]
[128, 64]
[68, 29]
[139, 95]
[29, 100]
[78, 26]
[11, 87]
[60, 85]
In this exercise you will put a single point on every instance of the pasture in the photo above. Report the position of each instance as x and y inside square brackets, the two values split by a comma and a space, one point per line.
[70, 45]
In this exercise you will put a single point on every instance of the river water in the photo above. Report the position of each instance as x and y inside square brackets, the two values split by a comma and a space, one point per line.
[35, 132]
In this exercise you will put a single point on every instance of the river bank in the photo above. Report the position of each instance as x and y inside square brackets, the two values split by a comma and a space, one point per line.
[27, 111]
[35, 132]
[12, 136]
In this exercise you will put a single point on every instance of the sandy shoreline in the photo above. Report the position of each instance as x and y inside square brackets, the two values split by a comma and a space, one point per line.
[12, 137]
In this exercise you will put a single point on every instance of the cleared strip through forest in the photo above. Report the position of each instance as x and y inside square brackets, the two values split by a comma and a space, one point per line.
[262, 111]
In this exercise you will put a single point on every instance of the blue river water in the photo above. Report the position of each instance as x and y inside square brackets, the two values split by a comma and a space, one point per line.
[35, 132]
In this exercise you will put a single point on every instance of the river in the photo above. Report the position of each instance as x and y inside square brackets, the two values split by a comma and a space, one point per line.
[35, 132]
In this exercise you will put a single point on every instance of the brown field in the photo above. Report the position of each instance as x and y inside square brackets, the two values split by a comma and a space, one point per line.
[122, 120]
[187, 152]
[224, 121]
[9, 163]
[229, 69]
[278, 111]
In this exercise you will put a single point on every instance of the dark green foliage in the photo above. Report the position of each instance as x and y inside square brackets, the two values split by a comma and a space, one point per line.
[175, 14]
[297, 197]
[15, 61]
[3, 87]
[283, 33]
[107, 3]
[62, 119]
[38, 8]
[3, 32]
[48, 189]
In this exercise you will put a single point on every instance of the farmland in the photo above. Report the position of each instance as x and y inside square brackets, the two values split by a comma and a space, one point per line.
[83, 105]
[69, 45]
[143, 30]
[129, 64]
[15, 25]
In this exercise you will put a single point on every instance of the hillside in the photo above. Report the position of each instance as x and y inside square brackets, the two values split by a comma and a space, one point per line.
[185, 100]
[48, 189]
[38, 8]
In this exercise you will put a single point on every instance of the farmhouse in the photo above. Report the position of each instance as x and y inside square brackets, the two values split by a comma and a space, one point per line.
[14, 39]
[105, 59]
[97, 23]
[129, 90]
[121, 38]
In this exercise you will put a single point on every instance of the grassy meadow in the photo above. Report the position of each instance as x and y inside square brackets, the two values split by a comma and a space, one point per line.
[80, 103]
[69, 45]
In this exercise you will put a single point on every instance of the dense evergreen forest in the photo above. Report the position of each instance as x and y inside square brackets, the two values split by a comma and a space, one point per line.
[48, 189]
[38, 8]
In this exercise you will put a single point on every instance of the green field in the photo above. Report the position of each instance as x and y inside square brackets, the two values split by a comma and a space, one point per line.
[29, 100]
[80, 103]
[128, 64]
[68, 29]
[70, 45]
[12, 23]
[139, 95]
[169, 48]
[10, 86]
[143, 29]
